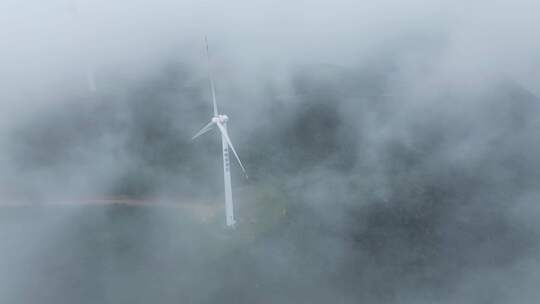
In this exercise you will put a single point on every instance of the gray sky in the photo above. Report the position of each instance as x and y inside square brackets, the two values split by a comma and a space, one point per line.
[46, 44]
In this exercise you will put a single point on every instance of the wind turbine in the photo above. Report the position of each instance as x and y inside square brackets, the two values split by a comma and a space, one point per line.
[220, 120]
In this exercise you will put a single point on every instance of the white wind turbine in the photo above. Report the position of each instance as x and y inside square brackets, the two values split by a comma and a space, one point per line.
[220, 121]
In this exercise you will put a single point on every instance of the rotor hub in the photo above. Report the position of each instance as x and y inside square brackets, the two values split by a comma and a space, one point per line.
[220, 118]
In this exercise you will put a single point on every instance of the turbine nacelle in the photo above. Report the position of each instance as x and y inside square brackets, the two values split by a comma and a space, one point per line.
[220, 118]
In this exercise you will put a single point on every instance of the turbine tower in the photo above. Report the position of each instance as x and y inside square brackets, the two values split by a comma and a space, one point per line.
[220, 121]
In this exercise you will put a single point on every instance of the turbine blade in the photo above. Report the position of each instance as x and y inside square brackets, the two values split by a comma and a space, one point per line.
[205, 129]
[91, 80]
[224, 132]
[211, 79]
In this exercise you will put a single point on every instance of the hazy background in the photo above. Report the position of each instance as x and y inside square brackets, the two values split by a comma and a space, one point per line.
[392, 148]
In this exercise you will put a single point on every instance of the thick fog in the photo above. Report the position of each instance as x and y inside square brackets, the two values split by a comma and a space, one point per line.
[392, 148]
